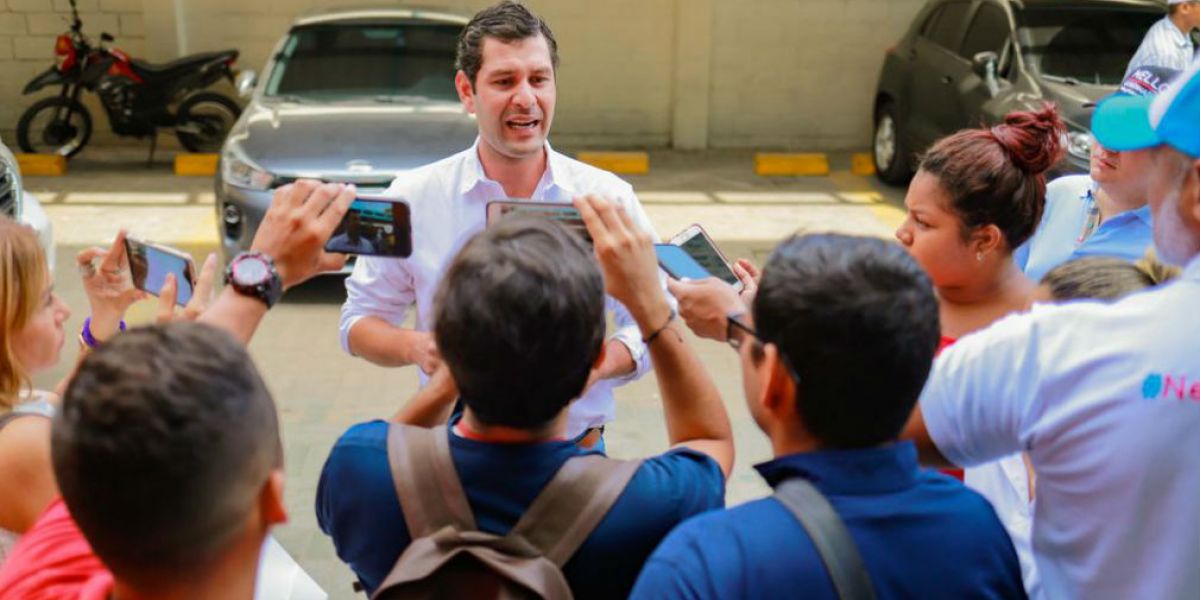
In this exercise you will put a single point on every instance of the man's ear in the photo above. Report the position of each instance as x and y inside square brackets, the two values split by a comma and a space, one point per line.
[1190, 199]
[271, 505]
[466, 90]
[779, 393]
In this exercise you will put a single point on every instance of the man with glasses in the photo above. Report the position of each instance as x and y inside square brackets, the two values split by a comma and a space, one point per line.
[837, 349]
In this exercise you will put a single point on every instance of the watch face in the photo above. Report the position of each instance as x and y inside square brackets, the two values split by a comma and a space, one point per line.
[250, 271]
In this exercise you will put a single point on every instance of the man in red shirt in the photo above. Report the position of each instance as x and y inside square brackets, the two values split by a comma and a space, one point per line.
[166, 449]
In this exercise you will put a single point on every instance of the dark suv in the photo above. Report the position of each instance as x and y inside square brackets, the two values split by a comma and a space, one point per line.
[968, 62]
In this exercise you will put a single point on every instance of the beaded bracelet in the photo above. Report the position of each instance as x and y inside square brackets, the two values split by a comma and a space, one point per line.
[86, 335]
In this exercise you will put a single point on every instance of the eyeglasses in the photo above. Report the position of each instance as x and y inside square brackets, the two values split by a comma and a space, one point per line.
[738, 334]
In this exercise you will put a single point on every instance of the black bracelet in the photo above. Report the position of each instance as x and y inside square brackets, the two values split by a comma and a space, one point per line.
[654, 334]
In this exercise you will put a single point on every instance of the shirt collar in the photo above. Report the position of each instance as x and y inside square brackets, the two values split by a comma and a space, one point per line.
[556, 174]
[884, 469]
[1089, 195]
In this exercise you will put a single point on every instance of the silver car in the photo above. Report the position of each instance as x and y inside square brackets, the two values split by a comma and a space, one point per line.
[349, 95]
[21, 206]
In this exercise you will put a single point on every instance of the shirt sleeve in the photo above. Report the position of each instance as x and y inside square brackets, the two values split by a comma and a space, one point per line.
[378, 287]
[976, 401]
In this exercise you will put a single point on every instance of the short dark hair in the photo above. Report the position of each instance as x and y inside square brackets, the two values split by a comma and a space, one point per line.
[997, 175]
[857, 320]
[166, 437]
[506, 21]
[520, 321]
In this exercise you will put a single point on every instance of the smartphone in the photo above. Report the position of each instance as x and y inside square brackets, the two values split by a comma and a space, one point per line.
[374, 226]
[678, 263]
[566, 214]
[697, 243]
[149, 263]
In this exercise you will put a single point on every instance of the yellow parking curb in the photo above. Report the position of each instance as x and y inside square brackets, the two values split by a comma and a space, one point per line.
[196, 164]
[627, 163]
[814, 164]
[42, 164]
[862, 164]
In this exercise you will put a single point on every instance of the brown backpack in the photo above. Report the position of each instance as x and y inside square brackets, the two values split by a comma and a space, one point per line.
[450, 558]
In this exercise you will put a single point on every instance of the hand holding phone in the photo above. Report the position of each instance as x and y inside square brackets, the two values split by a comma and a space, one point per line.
[150, 263]
[374, 226]
[697, 243]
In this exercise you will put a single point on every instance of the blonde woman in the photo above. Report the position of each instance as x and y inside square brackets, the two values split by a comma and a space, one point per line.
[32, 334]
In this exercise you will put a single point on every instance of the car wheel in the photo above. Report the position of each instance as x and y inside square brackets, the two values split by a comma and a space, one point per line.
[887, 149]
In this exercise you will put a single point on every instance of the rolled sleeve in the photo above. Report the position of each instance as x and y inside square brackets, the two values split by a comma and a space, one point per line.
[378, 287]
[981, 390]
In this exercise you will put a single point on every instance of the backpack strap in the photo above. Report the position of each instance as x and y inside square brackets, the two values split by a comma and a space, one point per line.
[427, 484]
[571, 506]
[829, 534]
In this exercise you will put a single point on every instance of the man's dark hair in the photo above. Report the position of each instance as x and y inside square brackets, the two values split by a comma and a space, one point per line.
[507, 22]
[857, 320]
[166, 437]
[520, 320]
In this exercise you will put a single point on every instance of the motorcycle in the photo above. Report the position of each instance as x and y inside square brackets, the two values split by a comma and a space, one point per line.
[136, 95]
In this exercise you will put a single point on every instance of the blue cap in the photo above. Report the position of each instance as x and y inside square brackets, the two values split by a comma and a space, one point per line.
[1123, 122]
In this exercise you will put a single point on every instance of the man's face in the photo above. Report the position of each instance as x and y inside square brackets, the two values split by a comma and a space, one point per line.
[1125, 171]
[513, 97]
[1174, 196]
[1191, 14]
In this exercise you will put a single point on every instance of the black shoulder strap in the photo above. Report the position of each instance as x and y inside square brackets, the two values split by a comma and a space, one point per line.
[830, 536]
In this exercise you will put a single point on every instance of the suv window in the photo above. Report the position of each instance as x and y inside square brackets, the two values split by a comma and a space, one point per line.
[1080, 45]
[988, 32]
[948, 27]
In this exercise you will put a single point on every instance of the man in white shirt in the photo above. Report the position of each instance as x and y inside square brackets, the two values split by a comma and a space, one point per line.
[1169, 43]
[507, 61]
[1105, 399]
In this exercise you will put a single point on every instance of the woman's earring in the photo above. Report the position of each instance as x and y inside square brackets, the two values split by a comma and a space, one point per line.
[979, 256]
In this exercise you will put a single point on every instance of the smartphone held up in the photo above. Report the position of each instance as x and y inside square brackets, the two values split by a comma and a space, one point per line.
[150, 263]
[374, 226]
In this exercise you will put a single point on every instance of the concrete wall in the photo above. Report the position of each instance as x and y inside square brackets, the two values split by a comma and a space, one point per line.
[796, 74]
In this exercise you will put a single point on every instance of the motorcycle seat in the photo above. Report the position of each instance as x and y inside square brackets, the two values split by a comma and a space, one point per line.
[150, 71]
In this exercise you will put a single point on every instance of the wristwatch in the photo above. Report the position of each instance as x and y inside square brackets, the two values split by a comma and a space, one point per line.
[253, 274]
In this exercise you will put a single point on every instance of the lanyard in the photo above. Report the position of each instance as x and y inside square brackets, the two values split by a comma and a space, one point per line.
[1091, 220]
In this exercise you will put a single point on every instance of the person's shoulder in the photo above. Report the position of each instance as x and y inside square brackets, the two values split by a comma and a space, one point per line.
[439, 172]
[591, 179]
[680, 465]
[675, 485]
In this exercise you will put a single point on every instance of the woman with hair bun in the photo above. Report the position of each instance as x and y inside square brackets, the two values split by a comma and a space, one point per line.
[976, 197]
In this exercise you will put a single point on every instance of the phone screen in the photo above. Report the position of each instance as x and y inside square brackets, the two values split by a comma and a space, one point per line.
[678, 263]
[149, 266]
[375, 227]
[565, 214]
[700, 248]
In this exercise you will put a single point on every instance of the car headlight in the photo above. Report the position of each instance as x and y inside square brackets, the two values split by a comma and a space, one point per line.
[240, 171]
[1079, 144]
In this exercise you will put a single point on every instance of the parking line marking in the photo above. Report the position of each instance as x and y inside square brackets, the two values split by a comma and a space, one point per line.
[83, 225]
[125, 198]
[862, 164]
[625, 163]
[196, 164]
[51, 165]
[814, 164]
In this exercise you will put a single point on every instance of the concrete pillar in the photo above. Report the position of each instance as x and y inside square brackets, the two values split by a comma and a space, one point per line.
[692, 74]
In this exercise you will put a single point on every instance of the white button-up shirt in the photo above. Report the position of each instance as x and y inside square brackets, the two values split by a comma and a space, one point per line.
[1164, 46]
[449, 205]
[1106, 401]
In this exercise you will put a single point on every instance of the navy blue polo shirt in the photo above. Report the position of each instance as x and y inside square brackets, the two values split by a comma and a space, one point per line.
[357, 504]
[921, 535]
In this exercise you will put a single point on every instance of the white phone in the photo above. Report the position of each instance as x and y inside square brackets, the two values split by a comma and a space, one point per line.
[697, 243]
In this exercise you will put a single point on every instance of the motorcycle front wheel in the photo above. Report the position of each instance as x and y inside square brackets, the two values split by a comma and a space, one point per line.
[55, 125]
[204, 121]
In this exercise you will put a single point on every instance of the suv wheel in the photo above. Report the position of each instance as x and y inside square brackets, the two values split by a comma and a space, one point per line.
[891, 157]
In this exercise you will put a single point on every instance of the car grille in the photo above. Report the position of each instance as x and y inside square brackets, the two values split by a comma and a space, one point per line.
[8, 192]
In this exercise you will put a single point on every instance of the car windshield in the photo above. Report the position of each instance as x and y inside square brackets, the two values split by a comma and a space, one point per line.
[383, 62]
[1089, 45]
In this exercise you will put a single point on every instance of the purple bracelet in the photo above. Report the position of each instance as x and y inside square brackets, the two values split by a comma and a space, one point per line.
[86, 334]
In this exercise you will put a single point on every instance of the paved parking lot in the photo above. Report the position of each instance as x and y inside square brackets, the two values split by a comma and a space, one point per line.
[320, 391]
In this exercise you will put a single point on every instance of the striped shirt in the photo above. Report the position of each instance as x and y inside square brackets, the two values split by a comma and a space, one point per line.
[1164, 46]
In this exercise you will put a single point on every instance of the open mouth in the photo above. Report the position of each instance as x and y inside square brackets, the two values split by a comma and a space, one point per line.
[523, 123]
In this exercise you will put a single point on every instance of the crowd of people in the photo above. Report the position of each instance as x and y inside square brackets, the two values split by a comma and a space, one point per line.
[1041, 336]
